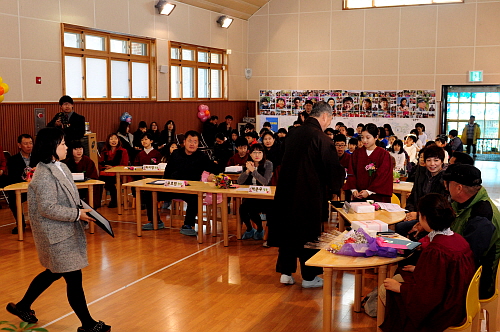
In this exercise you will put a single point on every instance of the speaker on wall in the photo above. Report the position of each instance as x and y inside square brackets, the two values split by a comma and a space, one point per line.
[163, 69]
[248, 73]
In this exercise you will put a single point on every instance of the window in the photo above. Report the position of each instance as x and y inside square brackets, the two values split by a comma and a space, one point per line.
[355, 4]
[100, 65]
[197, 72]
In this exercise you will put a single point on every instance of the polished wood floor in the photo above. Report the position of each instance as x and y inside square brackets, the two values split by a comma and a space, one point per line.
[165, 281]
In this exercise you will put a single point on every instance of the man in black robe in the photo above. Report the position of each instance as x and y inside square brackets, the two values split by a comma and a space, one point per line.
[310, 166]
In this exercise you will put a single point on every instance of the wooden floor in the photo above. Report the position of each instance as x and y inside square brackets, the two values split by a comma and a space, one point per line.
[166, 281]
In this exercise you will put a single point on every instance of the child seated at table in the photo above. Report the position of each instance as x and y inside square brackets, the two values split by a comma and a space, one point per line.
[257, 171]
[149, 155]
[432, 296]
[241, 157]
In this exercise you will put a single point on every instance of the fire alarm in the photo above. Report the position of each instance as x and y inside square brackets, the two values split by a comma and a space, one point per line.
[38, 80]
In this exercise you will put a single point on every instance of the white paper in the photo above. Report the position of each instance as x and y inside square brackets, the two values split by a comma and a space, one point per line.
[78, 176]
[242, 189]
[390, 207]
[234, 169]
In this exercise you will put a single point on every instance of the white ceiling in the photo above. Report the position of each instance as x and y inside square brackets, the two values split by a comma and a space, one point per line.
[235, 8]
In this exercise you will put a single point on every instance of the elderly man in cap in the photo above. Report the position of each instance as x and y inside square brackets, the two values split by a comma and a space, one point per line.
[478, 221]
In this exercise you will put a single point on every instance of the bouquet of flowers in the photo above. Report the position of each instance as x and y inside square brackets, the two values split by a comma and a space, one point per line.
[222, 181]
[370, 168]
[396, 176]
[28, 173]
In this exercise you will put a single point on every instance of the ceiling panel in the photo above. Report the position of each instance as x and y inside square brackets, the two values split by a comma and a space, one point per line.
[236, 8]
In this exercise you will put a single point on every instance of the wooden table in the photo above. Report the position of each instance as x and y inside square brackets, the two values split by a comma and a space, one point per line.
[22, 187]
[390, 218]
[402, 188]
[330, 262]
[124, 171]
[196, 188]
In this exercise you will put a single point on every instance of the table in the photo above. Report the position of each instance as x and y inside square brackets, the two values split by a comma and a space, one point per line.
[123, 171]
[330, 262]
[22, 187]
[390, 218]
[196, 188]
[402, 188]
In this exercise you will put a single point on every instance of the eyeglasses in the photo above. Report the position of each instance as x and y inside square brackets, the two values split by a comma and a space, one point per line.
[257, 152]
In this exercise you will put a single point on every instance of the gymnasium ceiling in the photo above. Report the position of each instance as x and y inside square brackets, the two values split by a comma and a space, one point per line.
[236, 8]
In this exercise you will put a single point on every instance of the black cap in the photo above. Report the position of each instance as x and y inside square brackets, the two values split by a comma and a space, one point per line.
[66, 99]
[420, 100]
[467, 175]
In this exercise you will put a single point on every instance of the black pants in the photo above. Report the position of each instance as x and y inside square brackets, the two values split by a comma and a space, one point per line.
[287, 261]
[11, 196]
[191, 201]
[110, 185]
[469, 144]
[74, 290]
[402, 228]
[250, 209]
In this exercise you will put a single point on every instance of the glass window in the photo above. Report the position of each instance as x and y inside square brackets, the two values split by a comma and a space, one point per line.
[216, 83]
[478, 111]
[96, 78]
[478, 97]
[452, 97]
[72, 40]
[453, 125]
[358, 3]
[118, 46]
[202, 56]
[119, 79]
[464, 97]
[174, 53]
[464, 111]
[187, 82]
[492, 112]
[215, 58]
[452, 111]
[203, 83]
[138, 48]
[490, 129]
[140, 79]
[96, 43]
[187, 55]
[73, 76]
[175, 81]
[493, 97]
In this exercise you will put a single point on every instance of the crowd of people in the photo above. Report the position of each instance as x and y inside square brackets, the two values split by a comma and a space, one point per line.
[363, 162]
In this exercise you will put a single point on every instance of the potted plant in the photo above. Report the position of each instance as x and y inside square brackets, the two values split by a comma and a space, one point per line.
[23, 327]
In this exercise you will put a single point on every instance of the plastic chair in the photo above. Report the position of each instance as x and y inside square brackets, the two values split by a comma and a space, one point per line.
[395, 200]
[491, 306]
[472, 306]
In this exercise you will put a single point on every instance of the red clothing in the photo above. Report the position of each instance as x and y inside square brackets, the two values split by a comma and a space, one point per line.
[432, 298]
[151, 158]
[345, 160]
[380, 182]
[236, 160]
[119, 157]
[3, 161]
[86, 165]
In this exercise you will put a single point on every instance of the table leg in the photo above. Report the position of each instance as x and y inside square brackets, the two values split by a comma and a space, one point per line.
[119, 193]
[138, 211]
[91, 203]
[238, 219]
[19, 204]
[403, 199]
[327, 299]
[382, 274]
[214, 214]
[358, 284]
[155, 209]
[200, 217]
[341, 222]
[225, 224]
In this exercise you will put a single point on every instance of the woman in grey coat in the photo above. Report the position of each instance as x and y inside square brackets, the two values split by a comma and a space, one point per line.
[57, 221]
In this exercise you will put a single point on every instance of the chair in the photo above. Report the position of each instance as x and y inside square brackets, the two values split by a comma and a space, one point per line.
[491, 306]
[472, 306]
[395, 200]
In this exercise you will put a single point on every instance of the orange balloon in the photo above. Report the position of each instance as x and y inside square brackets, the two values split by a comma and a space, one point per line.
[1, 98]
[5, 87]
[2, 91]
[207, 112]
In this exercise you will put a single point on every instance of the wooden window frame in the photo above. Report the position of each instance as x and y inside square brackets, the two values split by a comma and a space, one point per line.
[195, 64]
[149, 58]
[346, 7]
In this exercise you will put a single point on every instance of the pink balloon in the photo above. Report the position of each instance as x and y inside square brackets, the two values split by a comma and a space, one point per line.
[128, 120]
[201, 115]
[202, 108]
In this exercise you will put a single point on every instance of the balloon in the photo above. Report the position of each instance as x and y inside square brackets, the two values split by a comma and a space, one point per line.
[2, 91]
[207, 113]
[1, 80]
[202, 108]
[1, 98]
[5, 87]
[201, 115]
[129, 120]
[205, 118]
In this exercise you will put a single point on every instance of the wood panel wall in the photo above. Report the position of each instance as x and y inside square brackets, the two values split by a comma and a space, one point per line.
[104, 117]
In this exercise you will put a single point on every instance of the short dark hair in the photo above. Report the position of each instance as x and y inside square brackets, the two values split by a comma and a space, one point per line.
[339, 124]
[353, 141]
[266, 124]
[66, 99]
[453, 133]
[142, 124]
[148, 135]
[230, 117]
[339, 138]
[462, 158]
[282, 130]
[350, 131]
[249, 126]
[220, 136]
[437, 211]
[76, 144]
[308, 102]
[258, 147]
[421, 125]
[193, 133]
[412, 137]
[360, 125]
[347, 99]
[241, 141]
[20, 137]
[434, 151]
[214, 117]
[442, 138]
[47, 141]
[328, 130]
[372, 129]
[397, 142]
[252, 134]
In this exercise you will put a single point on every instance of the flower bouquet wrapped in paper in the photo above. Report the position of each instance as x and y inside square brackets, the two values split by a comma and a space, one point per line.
[222, 181]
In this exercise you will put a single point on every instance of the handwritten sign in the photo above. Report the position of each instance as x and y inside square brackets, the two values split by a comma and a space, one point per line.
[150, 167]
[175, 183]
[259, 189]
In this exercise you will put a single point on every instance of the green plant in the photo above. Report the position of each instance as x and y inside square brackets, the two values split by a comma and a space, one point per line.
[23, 327]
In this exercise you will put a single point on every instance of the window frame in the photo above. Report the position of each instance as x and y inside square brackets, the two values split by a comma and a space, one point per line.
[223, 67]
[149, 58]
[402, 4]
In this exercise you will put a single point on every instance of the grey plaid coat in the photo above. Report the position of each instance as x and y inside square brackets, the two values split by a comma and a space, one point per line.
[53, 207]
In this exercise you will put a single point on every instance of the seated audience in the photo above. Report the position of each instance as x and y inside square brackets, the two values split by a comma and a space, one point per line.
[251, 137]
[148, 155]
[153, 129]
[398, 153]
[455, 142]
[461, 158]
[418, 142]
[353, 144]
[225, 127]
[329, 132]
[273, 149]
[209, 130]
[282, 132]
[478, 221]
[167, 135]
[232, 141]
[126, 139]
[359, 129]
[222, 151]
[240, 158]
[258, 172]
[432, 296]
[169, 148]
[340, 145]
[411, 148]
[112, 155]
[142, 128]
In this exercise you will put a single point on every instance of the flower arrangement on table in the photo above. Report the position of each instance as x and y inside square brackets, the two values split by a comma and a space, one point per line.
[222, 181]
[28, 173]
[396, 176]
[358, 243]
[371, 168]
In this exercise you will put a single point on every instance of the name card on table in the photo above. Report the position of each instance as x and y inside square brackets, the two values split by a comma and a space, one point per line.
[175, 183]
[259, 189]
[150, 167]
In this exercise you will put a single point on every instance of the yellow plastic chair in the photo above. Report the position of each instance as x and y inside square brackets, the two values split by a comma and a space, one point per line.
[491, 306]
[395, 200]
[472, 307]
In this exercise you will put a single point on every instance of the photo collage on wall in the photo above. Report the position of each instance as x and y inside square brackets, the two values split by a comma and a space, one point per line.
[350, 103]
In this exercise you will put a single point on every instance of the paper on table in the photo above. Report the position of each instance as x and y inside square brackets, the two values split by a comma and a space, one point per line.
[157, 182]
[242, 189]
[390, 207]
